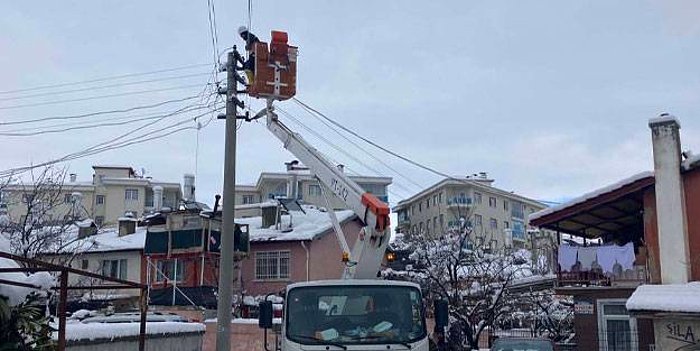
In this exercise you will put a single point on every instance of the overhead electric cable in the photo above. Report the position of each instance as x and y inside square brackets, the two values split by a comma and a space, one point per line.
[104, 146]
[105, 78]
[337, 148]
[104, 86]
[364, 150]
[98, 113]
[99, 97]
[90, 126]
[427, 168]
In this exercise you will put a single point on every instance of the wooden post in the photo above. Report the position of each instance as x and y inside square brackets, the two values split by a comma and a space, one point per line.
[62, 297]
[143, 305]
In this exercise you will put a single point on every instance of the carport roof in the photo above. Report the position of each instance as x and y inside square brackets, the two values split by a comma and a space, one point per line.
[614, 209]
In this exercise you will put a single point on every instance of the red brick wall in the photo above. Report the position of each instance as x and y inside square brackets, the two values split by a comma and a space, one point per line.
[691, 184]
[650, 236]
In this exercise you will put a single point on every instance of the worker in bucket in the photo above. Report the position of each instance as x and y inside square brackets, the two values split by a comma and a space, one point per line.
[249, 64]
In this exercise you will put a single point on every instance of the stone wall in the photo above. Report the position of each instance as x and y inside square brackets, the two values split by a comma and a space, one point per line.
[169, 342]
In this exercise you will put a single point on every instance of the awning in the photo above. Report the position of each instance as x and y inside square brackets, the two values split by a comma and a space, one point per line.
[616, 209]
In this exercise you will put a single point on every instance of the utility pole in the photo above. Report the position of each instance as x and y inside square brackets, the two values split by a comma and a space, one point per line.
[223, 312]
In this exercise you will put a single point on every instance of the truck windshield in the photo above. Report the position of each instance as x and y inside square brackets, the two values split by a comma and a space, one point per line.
[355, 315]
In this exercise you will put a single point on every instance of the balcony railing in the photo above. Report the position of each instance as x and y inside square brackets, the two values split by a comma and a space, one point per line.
[459, 200]
[628, 278]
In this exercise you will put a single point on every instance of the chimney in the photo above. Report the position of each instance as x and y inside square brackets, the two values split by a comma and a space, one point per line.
[73, 177]
[341, 167]
[127, 225]
[670, 200]
[188, 187]
[157, 198]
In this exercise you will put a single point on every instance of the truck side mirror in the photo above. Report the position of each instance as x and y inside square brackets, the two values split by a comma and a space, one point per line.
[265, 315]
[442, 314]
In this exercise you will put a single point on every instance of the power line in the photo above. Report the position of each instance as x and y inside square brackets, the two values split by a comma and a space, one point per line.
[181, 68]
[211, 14]
[339, 149]
[364, 150]
[104, 86]
[427, 168]
[90, 126]
[102, 147]
[99, 97]
[91, 114]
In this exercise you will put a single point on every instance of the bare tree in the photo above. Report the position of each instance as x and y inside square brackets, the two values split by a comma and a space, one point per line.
[42, 216]
[470, 269]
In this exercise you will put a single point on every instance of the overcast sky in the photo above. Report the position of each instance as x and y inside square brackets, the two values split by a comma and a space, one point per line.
[551, 98]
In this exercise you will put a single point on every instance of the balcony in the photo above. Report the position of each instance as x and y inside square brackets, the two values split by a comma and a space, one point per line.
[459, 201]
[596, 278]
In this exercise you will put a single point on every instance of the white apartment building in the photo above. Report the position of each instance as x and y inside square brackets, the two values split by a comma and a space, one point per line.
[492, 213]
[113, 192]
[304, 186]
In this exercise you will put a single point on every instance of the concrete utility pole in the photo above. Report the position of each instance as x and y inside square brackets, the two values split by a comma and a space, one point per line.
[223, 312]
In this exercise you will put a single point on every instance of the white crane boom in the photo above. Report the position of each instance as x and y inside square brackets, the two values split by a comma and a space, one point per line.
[367, 254]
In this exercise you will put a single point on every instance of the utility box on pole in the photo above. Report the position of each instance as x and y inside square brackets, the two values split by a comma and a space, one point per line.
[275, 69]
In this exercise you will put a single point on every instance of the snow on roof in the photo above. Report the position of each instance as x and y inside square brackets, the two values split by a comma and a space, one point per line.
[666, 298]
[304, 226]
[664, 118]
[691, 162]
[93, 331]
[84, 223]
[17, 294]
[107, 239]
[127, 219]
[592, 194]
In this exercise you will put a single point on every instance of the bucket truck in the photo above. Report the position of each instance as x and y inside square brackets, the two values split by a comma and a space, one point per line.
[358, 311]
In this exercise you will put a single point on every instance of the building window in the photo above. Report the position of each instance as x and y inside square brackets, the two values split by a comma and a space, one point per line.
[427, 227]
[99, 220]
[477, 198]
[442, 221]
[506, 225]
[616, 330]
[492, 201]
[435, 198]
[427, 203]
[27, 198]
[440, 198]
[84, 264]
[478, 220]
[420, 207]
[67, 198]
[420, 227]
[114, 268]
[435, 222]
[517, 210]
[505, 205]
[248, 199]
[314, 190]
[170, 270]
[131, 194]
[271, 265]
[100, 199]
[493, 223]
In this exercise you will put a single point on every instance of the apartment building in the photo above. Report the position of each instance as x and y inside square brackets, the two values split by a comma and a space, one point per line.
[300, 183]
[473, 201]
[113, 192]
